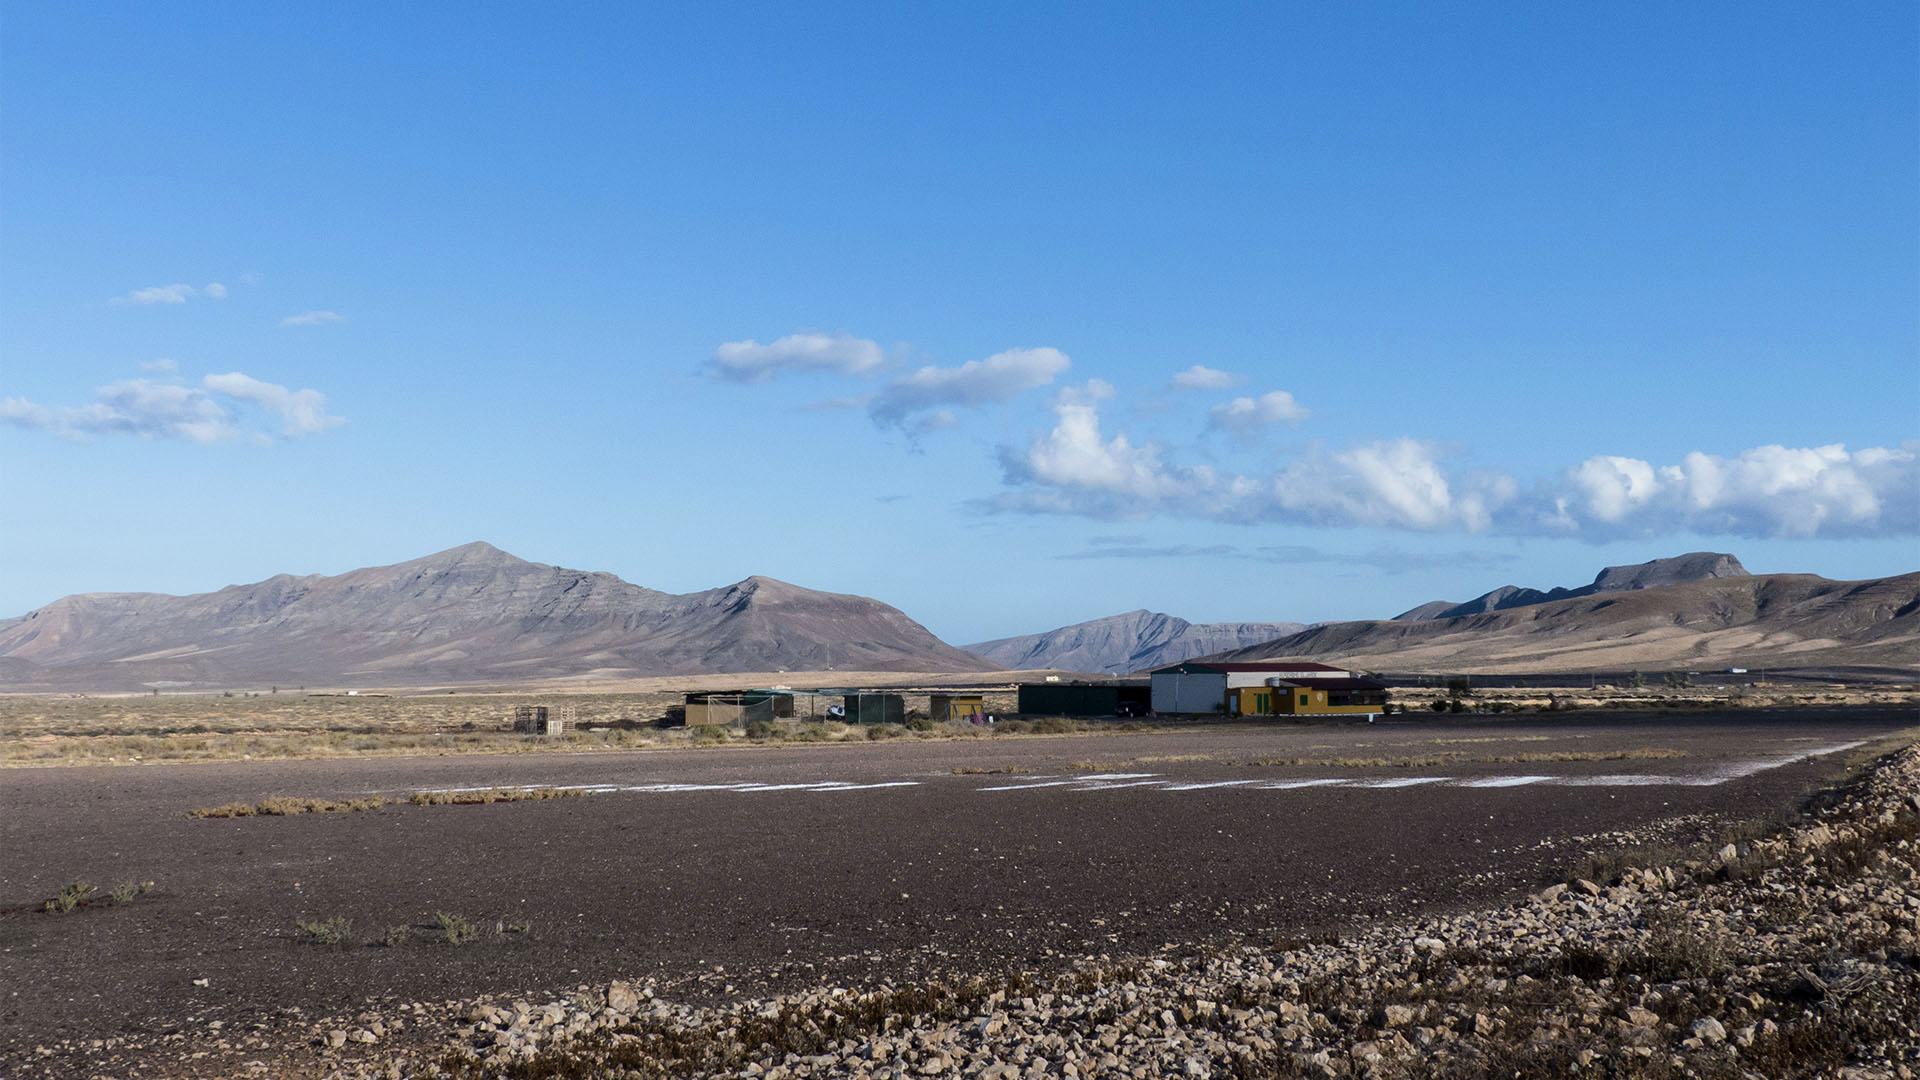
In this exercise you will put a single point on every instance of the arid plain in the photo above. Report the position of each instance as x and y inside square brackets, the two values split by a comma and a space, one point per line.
[715, 875]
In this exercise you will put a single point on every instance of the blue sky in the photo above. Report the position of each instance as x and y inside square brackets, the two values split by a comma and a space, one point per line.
[1011, 317]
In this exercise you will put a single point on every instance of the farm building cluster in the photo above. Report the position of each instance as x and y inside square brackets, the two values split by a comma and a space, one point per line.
[1189, 689]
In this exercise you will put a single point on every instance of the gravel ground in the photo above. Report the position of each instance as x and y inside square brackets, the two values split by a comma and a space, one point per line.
[732, 929]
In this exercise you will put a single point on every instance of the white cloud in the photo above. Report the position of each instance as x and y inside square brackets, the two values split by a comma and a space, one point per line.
[162, 366]
[1076, 469]
[1201, 377]
[167, 410]
[1398, 483]
[1075, 457]
[158, 294]
[750, 361]
[313, 318]
[142, 407]
[177, 293]
[304, 412]
[1763, 491]
[1246, 414]
[1408, 484]
[977, 382]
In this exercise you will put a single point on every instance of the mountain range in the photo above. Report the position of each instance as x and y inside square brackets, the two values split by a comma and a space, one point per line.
[1749, 621]
[1676, 570]
[1132, 641]
[475, 615]
[472, 614]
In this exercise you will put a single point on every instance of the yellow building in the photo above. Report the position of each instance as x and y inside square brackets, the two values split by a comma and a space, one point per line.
[1264, 688]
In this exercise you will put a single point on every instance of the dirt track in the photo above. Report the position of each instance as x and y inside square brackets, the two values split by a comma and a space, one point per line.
[717, 885]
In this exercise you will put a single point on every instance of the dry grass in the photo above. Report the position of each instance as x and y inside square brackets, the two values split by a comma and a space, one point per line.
[287, 806]
[492, 795]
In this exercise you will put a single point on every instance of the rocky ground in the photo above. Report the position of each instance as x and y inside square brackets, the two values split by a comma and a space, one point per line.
[1792, 954]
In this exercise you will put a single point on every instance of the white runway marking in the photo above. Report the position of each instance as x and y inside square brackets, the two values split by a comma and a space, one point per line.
[1208, 784]
[1507, 781]
[1113, 780]
[1288, 785]
[1405, 781]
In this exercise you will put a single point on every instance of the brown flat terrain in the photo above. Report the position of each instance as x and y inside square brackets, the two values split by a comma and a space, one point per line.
[732, 872]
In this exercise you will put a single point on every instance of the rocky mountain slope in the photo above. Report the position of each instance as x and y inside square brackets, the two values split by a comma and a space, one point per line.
[1751, 621]
[1133, 641]
[1677, 570]
[470, 614]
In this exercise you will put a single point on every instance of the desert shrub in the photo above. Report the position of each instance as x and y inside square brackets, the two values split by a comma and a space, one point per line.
[710, 734]
[456, 929]
[71, 896]
[763, 730]
[884, 731]
[917, 722]
[1438, 705]
[127, 890]
[395, 936]
[1456, 705]
[331, 933]
[1056, 725]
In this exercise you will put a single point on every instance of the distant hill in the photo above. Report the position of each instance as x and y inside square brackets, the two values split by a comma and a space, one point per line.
[1750, 621]
[1677, 570]
[473, 614]
[1133, 641]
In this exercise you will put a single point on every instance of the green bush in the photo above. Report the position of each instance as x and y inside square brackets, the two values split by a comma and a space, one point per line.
[331, 933]
[72, 895]
[456, 929]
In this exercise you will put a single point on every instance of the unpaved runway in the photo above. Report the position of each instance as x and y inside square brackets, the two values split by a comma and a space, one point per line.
[739, 871]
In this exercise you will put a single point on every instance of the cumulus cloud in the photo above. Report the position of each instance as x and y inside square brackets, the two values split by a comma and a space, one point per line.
[150, 409]
[1763, 491]
[977, 382]
[1408, 484]
[162, 366]
[1246, 414]
[302, 412]
[172, 294]
[1075, 468]
[1201, 377]
[313, 318]
[750, 361]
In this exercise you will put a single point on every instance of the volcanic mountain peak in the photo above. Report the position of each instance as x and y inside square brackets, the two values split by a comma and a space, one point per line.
[1130, 641]
[470, 613]
[1652, 574]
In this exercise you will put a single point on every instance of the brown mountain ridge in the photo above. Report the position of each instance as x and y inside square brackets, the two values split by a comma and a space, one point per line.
[1749, 621]
[472, 614]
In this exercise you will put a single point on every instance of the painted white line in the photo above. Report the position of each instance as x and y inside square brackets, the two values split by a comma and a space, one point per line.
[1119, 775]
[1632, 780]
[1288, 785]
[1208, 784]
[867, 787]
[1030, 787]
[686, 787]
[1505, 781]
[1748, 768]
[1124, 783]
[1400, 782]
